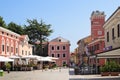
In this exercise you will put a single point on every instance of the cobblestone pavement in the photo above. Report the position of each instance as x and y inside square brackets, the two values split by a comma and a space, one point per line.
[57, 74]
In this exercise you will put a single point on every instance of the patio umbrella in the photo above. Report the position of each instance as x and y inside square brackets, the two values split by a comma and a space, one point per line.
[54, 58]
[14, 57]
[45, 59]
[5, 59]
[31, 57]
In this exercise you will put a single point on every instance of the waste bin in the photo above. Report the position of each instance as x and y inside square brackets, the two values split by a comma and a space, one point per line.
[1, 72]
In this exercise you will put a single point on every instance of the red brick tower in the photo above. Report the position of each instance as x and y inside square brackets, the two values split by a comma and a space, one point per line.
[97, 21]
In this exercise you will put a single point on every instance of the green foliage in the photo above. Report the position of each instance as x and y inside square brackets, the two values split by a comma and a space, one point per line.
[111, 66]
[15, 28]
[38, 31]
[114, 67]
[8, 66]
[54, 66]
[2, 22]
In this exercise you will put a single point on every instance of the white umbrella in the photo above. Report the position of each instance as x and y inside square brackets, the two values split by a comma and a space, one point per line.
[54, 58]
[14, 57]
[31, 56]
[5, 59]
[46, 59]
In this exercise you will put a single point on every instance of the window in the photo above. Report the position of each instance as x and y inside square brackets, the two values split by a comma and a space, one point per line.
[3, 48]
[118, 30]
[16, 50]
[52, 47]
[52, 55]
[97, 46]
[58, 55]
[25, 52]
[29, 53]
[64, 55]
[58, 48]
[64, 63]
[7, 34]
[107, 36]
[22, 52]
[11, 35]
[11, 49]
[113, 37]
[92, 48]
[2, 32]
[7, 48]
[63, 47]
[59, 40]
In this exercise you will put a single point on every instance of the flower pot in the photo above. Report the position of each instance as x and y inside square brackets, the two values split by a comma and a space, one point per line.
[105, 73]
[114, 73]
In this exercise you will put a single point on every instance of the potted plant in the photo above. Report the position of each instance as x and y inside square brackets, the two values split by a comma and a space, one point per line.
[105, 70]
[114, 68]
[8, 66]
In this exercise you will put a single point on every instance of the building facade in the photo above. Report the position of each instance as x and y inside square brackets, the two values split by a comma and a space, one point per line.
[12, 43]
[9, 42]
[60, 48]
[97, 44]
[112, 37]
[25, 48]
[112, 31]
[82, 46]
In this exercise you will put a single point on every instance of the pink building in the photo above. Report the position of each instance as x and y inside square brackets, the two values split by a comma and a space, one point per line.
[60, 48]
[9, 42]
[12, 43]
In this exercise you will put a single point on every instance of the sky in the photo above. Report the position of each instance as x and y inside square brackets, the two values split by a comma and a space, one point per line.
[70, 19]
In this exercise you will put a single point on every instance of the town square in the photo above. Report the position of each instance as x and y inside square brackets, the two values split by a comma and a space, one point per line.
[60, 40]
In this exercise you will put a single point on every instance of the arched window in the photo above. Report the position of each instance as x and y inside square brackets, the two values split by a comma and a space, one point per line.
[3, 44]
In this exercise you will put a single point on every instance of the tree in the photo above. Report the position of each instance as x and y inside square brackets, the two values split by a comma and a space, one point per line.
[2, 22]
[38, 31]
[15, 28]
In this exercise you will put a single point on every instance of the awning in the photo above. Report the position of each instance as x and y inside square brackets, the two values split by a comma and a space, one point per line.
[110, 54]
[5, 59]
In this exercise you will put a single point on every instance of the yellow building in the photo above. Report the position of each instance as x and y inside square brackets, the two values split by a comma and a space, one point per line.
[112, 37]
[25, 48]
[112, 30]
